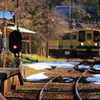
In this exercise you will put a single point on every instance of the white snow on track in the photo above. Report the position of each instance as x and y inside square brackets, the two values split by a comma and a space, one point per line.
[46, 65]
[36, 77]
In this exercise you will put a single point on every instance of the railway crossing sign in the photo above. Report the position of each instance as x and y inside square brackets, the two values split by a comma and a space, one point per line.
[15, 42]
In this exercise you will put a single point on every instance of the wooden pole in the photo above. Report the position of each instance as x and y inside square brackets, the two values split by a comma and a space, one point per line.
[26, 44]
[30, 44]
[4, 54]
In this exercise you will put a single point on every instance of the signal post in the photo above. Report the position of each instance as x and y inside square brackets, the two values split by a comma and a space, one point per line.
[4, 54]
[15, 44]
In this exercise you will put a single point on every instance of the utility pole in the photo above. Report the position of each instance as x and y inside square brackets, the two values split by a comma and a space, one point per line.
[47, 50]
[70, 13]
[73, 24]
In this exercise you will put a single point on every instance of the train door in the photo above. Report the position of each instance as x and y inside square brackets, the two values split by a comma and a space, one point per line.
[66, 43]
[96, 40]
[74, 40]
[89, 38]
[80, 39]
[96, 37]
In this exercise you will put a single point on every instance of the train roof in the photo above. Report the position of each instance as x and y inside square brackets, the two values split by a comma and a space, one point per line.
[76, 30]
[93, 29]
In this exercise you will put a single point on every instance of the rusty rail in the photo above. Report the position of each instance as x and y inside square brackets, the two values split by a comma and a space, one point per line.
[50, 82]
[76, 90]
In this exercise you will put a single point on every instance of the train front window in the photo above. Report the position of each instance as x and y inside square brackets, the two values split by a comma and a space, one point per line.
[88, 36]
[81, 36]
[96, 36]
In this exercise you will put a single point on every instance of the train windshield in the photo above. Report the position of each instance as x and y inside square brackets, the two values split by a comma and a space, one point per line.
[88, 36]
[81, 36]
[96, 36]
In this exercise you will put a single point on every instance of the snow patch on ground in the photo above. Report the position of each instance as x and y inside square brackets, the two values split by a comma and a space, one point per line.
[36, 77]
[95, 79]
[48, 65]
[83, 67]
[44, 65]
[67, 79]
[97, 67]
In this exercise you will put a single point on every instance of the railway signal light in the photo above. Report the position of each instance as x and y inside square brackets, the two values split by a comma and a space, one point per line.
[15, 47]
[15, 41]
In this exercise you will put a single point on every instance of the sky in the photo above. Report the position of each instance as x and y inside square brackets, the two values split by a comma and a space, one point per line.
[62, 11]
[7, 14]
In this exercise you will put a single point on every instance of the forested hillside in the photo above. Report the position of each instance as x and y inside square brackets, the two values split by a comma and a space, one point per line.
[34, 15]
[40, 16]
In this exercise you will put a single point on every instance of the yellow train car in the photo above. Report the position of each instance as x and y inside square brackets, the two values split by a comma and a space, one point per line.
[64, 45]
[88, 42]
[69, 42]
[82, 42]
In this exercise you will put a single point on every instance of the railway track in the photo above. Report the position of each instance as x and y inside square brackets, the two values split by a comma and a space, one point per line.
[86, 90]
[59, 87]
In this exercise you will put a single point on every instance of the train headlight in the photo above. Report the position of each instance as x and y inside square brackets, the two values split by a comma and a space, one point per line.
[96, 44]
[82, 44]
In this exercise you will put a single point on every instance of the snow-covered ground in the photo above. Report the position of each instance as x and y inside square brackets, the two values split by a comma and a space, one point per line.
[95, 79]
[45, 65]
[37, 77]
[97, 67]
[83, 66]
[67, 79]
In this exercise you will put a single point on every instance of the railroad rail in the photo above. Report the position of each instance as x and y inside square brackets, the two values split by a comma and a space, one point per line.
[76, 90]
[90, 70]
[55, 79]
[50, 82]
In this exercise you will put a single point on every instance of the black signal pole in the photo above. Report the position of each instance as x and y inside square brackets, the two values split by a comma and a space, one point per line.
[17, 60]
[17, 14]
